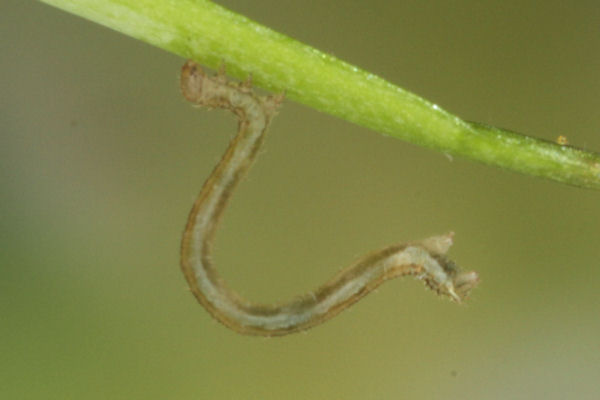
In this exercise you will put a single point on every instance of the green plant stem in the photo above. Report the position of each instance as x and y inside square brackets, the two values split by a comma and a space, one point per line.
[211, 35]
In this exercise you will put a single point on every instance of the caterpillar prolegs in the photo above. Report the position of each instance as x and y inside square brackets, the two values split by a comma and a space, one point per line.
[425, 259]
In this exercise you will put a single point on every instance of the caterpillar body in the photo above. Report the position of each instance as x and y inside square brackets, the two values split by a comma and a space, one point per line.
[425, 259]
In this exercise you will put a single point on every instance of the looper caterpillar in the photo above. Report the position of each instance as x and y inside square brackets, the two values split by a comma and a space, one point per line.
[424, 259]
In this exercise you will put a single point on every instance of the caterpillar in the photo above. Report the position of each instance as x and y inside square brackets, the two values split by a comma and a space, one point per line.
[425, 259]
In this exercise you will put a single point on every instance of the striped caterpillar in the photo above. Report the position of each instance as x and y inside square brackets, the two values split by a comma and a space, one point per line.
[424, 259]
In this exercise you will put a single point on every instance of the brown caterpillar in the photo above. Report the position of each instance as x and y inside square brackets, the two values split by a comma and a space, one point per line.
[424, 259]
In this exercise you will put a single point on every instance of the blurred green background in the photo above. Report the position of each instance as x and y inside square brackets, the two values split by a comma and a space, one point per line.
[101, 159]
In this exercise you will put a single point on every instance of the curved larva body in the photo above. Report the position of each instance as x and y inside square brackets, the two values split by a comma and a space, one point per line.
[423, 259]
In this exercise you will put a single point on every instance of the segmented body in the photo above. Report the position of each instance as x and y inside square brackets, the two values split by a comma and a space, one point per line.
[424, 259]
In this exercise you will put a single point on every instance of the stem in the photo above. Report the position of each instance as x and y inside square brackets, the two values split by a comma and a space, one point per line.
[211, 35]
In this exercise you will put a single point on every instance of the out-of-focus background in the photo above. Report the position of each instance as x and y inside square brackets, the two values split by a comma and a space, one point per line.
[101, 158]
